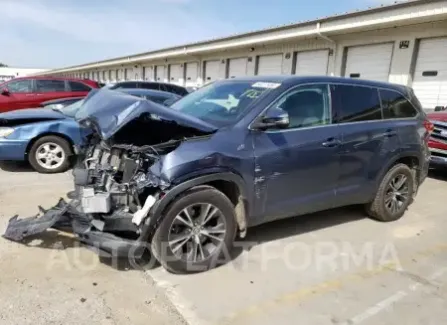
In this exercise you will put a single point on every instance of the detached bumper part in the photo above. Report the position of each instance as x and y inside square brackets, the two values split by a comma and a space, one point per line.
[63, 216]
[70, 218]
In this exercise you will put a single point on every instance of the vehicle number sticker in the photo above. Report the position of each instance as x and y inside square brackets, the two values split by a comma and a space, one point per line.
[270, 85]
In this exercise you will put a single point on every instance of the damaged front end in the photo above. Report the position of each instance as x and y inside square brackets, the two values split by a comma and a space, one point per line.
[115, 186]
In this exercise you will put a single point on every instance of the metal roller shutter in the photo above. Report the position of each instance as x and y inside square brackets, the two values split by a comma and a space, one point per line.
[237, 68]
[120, 75]
[192, 73]
[269, 64]
[129, 74]
[148, 73]
[370, 62]
[430, 75]
[211, 71]
[160, 74]
[312, 63]
[176, 74]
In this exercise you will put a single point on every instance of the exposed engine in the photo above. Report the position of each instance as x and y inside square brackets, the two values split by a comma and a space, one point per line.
[113, 183]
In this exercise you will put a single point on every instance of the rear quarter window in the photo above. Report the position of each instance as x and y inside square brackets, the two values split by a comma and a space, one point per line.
[78, 86]
[395, 105]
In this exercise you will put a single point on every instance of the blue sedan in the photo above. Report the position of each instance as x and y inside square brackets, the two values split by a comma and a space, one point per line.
[47, 138]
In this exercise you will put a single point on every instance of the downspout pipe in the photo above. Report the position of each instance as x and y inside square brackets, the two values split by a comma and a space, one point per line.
[330, 40]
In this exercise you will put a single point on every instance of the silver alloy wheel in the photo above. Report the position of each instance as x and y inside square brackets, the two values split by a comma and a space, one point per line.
[397, 193]
[50, 155]
[197, 232]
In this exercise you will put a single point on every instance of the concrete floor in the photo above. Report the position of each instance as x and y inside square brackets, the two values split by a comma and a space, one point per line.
[334, 267]
[55, 281]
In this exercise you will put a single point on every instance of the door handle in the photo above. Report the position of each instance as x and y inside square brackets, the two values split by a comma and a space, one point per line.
[390, 133]
[331, 142]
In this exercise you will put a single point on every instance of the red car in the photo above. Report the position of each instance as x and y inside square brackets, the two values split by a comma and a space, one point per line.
[438, 139]
[30, 92]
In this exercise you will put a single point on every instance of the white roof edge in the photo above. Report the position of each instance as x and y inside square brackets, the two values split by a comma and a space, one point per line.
[300, 29]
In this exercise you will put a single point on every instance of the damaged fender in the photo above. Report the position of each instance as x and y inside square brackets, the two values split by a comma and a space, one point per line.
[156, 213]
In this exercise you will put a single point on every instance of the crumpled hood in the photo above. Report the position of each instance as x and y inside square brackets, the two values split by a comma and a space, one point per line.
[32, 114]
[110, 110]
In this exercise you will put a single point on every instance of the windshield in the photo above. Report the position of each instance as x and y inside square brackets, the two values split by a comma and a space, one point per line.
[222, 103]
[70, 110]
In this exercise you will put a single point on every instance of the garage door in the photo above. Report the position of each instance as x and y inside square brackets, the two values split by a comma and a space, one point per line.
[237, 68]
[269, 64]
[120, 75]
[128, 74]
[311, 63]
[148, 73]
[211, 71]
[160, 74]
[370, 62]
[192, 73]
[430, 75]
[176, 74]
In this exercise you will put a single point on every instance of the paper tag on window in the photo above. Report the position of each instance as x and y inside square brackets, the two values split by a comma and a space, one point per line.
[270, 85]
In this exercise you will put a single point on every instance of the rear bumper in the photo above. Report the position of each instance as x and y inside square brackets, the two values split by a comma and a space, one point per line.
[13, 149]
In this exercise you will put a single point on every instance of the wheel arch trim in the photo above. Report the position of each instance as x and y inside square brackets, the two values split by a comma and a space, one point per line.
[155, 214]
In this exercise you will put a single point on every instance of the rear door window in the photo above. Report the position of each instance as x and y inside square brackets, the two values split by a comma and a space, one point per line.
[395, 105]
[78, 86]
[47, 86]
[355, 103]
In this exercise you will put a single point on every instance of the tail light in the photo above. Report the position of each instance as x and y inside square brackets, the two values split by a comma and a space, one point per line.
[429, 127]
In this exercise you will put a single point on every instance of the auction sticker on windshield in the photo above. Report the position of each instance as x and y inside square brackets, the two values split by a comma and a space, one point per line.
[270, 85]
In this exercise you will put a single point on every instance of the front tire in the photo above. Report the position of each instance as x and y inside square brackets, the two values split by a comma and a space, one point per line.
[50, 155]
[198, 227]
[394, 195]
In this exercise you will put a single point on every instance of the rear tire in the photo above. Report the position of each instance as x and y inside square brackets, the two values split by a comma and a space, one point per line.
[201, 252]
[50, 155]
[392, 198]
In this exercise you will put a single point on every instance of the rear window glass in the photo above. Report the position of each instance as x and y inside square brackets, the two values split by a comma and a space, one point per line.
[395, 105]
[127, 85]
[147, 85]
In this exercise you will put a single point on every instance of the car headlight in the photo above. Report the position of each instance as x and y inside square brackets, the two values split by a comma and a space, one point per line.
[5, 131]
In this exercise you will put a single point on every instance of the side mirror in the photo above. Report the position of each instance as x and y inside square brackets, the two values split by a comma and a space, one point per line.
[5, 91]
[273, 119]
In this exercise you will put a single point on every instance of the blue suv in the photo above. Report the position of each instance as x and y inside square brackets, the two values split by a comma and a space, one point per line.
[186, 180]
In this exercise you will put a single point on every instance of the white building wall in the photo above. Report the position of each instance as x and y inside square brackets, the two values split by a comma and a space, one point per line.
[402, 60]
[8, 73]
[401, 68]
